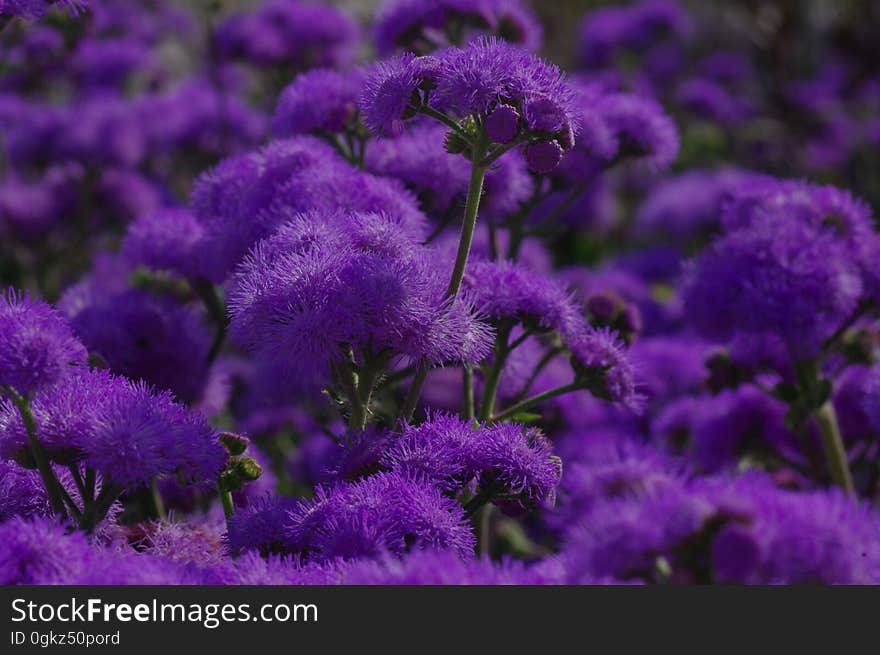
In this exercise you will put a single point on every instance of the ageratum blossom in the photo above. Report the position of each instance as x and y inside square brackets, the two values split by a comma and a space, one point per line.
[782, 278]
[247, 197]
[440, 179]
[123, 430]
[165, 240]
[601, 364]
[423, 25]
[139, 333]
[291, 33]
[318, 101]
[386, 512]
[504, 290]
[328, 283]
[38, 348]
[472, 83]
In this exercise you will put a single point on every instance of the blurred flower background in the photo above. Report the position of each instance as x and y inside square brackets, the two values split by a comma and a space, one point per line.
[439, 291]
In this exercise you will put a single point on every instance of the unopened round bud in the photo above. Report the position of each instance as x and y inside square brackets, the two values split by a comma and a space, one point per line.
[543, 157]
[502, 125]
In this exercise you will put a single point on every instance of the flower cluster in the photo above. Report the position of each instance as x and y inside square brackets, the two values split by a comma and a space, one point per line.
[294, 296]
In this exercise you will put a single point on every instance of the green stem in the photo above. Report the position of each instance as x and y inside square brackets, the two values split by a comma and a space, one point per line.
[493, 377]
[415, 390]
[447, 121]
[534, 400]
[228, 506]
[158, 503]
[542, 364]
[832, 442]
[467, 374]
[471, 208]
[486, 530]
[216, 309]
[53, 487]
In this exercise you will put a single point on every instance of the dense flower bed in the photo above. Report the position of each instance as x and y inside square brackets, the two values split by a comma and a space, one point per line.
[288, 298]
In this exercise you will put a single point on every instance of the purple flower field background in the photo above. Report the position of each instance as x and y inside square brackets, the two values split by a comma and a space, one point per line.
[439, 292]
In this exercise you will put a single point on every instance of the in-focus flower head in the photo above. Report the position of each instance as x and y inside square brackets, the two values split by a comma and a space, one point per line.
[388, 91]
[386, 512]
[122, 429]
[38, 348]
[308, 304]
[505, 290]
[601, 364]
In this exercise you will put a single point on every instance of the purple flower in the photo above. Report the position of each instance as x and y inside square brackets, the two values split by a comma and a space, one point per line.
[689, 204]
[443, 567]
[601, 364]
[142, 334]
[120, 428]
[386, 512]
[168, 239]
[328, 282]
[33, 9]
[319, 100]
[783, 278]
[641, 127]
[419, 24]
[260, 526]
[388, 92]
[246, 198]
[606, 31]
[21, 492]
[517, 462]
[290, 33]
[504, 290]
[37, 346]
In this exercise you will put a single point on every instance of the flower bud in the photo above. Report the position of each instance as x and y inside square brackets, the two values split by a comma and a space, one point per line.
[543, 157]
[502, 125]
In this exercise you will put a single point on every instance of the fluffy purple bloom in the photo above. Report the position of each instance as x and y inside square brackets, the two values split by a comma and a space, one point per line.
[109, 62]
[247, 197]
[601, 363]
[419, 158]
[21, 492]
[606, 31]
[508, 461]
[783, 278]
[519, 462]
[290, 33]
[165, 240]
[260, 526]
[388, 91]
[142, 334]
[410, 24]
[670, 366]
[716, 431]
[689, 204]
[37, 346]
[43, 552]
[443, 567]
[30, 209]
[504, 290]
[833, 211]
[603, 465]
[327, 282]
[642, 128]
[319, 100]
[122, 429]
[385, 512]
[710, 100]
